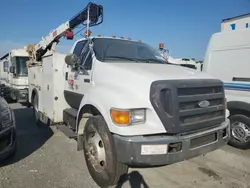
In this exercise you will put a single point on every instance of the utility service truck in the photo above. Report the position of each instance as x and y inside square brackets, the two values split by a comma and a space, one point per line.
[14, 75]
[122, 103]
[227, 58]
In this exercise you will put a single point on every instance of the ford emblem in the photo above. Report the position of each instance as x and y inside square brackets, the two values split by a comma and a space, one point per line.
[204, 104]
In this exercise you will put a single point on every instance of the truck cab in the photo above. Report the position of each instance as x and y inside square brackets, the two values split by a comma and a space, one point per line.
[15, 75]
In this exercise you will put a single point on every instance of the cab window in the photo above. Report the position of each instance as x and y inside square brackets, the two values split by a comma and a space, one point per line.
[79, 46]
[88, 61]
[6, 66]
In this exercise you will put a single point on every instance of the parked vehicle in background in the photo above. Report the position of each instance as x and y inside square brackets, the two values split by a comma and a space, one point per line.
[122, 102]
[14, 75]
[8, 141]
[184, 62]
[227, 58]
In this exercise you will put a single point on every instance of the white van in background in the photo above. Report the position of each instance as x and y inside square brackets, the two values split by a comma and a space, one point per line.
[228, 58]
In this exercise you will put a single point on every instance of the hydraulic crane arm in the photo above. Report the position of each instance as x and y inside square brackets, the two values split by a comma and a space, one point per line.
[92, 14]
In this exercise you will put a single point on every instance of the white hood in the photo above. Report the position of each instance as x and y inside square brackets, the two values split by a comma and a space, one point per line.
[126, 85]
[149, 72]
[133, 80]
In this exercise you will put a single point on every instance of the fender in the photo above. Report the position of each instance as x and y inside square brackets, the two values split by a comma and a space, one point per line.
[104, 98]
[238, 105]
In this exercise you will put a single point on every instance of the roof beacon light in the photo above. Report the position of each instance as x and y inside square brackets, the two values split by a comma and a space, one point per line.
[88, 33]
[161, 46]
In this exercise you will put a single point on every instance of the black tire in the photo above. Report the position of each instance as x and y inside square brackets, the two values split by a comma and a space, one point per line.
[13, 152]
[34, 109]
[13, 97]
[233, 141]
[112, 170]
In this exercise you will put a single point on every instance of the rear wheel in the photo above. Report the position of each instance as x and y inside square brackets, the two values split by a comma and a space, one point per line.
[100, 153]
[35, 110]
[240, 131]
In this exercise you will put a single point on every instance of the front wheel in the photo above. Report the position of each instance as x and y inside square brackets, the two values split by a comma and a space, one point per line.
[100, 153]
[240, 131]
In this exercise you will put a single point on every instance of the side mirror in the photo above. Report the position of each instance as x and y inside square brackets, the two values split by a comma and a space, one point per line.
[71, 59]
[12, 69]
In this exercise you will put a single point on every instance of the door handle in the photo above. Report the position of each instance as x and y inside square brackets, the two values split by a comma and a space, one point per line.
[87, 80]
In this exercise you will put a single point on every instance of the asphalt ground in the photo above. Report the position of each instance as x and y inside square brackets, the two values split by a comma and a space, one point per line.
[46, 158]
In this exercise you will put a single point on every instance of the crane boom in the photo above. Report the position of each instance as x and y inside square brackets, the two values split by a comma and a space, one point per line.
[92, 13]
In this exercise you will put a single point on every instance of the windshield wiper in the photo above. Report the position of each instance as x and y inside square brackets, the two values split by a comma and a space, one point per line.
[119, 57]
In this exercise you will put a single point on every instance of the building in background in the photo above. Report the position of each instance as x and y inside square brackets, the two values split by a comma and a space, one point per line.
[236, 23]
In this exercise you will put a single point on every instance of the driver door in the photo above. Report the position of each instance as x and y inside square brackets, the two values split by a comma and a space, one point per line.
[79, 81]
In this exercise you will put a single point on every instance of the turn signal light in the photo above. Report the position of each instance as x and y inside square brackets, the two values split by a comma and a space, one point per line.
[121, 118]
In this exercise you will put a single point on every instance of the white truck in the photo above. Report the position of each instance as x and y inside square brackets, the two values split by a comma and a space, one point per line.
[185, 62]
[227, 58]
[14, 75]
[122, 103]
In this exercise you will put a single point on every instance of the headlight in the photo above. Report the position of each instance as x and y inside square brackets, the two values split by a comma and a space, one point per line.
[128, 117]
[6, 119]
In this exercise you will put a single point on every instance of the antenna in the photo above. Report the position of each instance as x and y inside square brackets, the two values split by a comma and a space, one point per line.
[88, 21]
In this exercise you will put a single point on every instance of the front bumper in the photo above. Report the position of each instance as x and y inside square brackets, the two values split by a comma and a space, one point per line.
[171, 149]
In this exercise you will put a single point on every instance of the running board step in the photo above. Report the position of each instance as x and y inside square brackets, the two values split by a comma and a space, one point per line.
[67, 131]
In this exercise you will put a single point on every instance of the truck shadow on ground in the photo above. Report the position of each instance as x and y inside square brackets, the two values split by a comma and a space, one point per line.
[29, 137]
[135, 180]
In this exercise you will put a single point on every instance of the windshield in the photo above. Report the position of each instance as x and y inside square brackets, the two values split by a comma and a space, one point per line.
[112, 49]
[21, 68]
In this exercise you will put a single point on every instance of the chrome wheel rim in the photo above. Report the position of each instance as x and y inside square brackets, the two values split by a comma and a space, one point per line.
[241, 132]
[95, 150]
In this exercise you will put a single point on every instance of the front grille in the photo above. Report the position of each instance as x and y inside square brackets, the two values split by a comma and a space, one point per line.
[189, 110]
[176, 102]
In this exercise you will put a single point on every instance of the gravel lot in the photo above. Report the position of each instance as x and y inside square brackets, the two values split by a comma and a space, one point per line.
[46, 159]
